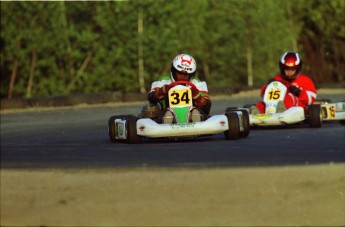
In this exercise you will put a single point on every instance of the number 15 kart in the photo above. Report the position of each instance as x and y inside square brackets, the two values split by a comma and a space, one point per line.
[275, 114]
[133, 129]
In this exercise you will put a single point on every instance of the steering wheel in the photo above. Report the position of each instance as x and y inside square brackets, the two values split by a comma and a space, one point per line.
[192, 86]
[285, 83]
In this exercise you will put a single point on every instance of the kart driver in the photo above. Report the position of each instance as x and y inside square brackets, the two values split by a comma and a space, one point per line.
[183, 68]
[301, 89]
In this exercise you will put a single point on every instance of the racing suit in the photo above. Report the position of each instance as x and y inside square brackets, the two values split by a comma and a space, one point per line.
[301, 92]
[204, 106]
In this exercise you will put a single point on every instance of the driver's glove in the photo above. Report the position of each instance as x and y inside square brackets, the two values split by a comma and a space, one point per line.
[161, 92]
[198, 99]
[295, 91]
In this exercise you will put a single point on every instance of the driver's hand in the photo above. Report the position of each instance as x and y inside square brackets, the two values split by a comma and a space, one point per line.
[295, 90]
[161, 92]
[195, 92]
[199, 100]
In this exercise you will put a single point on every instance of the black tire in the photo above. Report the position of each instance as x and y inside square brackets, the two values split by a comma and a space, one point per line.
[245, 120]
[131, 127]
[233, 133]
[315, 116]
[111, 129]
[246, 124]
[229, 109]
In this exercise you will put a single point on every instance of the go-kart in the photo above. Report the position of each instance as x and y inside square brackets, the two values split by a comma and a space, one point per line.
[274, 115]
[332, 111]
[133, 129]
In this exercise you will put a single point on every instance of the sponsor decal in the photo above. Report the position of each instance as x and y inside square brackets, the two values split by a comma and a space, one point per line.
[271, 110]
[180, 126]
[142, 128]
[184, 68]
[222, 123]
[185, 60]
[261, 116]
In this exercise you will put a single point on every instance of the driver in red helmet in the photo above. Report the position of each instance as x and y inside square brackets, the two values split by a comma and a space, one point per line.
[183, 68]
[301, 88]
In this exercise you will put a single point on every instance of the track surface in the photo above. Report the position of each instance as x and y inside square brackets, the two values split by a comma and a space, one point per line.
[77, 138]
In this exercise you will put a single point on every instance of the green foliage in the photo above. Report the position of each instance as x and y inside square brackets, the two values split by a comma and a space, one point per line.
[51, 48]
[323, 39]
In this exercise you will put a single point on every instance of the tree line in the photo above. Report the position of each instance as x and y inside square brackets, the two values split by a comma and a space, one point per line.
[61, 47]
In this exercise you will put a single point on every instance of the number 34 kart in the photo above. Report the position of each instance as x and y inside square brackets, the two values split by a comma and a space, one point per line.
[133, 129]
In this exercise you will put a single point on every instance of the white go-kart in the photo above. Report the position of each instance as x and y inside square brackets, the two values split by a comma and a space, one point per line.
[274, 116]
[133, 129]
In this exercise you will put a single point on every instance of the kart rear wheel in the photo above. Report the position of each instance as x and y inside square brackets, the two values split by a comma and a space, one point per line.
[315, 116]
[131, 127]
[233, 133]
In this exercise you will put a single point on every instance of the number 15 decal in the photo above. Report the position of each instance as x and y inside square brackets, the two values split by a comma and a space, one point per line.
[274, 94]
[331, 111]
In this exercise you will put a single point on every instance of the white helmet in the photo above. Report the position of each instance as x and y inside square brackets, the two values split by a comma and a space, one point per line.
[183, 63]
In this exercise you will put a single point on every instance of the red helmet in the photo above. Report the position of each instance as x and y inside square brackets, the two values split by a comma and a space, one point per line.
[290, 60]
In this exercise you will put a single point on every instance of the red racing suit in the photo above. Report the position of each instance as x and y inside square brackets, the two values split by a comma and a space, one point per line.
[306, 96]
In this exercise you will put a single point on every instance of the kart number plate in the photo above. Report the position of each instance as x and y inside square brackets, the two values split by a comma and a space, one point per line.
[331, 111]
[273, 94]
[181, 97]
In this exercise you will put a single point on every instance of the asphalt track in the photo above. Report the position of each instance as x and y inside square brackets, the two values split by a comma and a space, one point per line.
[77, 138]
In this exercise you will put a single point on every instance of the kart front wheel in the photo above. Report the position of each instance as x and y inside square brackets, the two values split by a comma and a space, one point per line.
[245, 120]
[233, 133]
[315, 116]
[131, 127]
[112, 131]
[246, 123]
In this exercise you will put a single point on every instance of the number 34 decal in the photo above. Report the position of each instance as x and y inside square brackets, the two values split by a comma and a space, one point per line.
[180, 98]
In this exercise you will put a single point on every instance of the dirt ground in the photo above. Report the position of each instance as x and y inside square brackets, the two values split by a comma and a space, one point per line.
[310, 195]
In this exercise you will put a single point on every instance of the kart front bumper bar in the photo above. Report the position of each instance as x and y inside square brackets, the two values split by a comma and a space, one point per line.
[214, 125]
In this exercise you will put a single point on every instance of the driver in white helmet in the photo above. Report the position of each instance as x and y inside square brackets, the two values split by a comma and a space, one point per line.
[183, 68]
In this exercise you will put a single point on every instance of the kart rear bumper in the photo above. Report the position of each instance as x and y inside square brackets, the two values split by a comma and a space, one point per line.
[333, 111]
